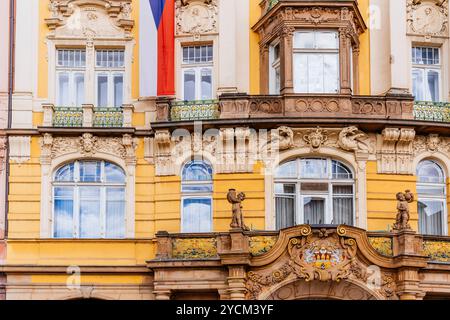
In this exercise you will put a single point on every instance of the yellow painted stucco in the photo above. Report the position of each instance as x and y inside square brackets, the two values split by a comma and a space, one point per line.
[255, 14]
[364, 62]
[381, 198]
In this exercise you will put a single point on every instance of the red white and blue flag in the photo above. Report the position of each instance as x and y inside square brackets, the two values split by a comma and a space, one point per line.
[157, 47]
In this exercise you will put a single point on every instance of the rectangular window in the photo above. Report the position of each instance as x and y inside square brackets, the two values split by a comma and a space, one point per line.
[197, 72]
[285, 205]
[63, 207]
[275, 74]
[316, 62]
[110, 69]
[197, 215]
[115, 213]
[70, 68]
[426, 73]
[90, 212]
[343, 205]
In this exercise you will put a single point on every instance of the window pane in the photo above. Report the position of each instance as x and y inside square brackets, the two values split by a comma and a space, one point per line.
[314, 168]
[315, 73]
[340, 171]
[197, 171]
[63, 86]
[417, 78]
[90, 171]
[63, 212]
[197, 215]
[114, 174]
[189, 85]
[327, 40]
[314, 210]
[102, 93]
[431, 190]
[281, 188]
[79, 87]
[285, 211]
[430, 217]
[301, 73]
[430, 172]
[65, 174]
[433, 85]
[118, 90]
[331, 72]
[90, 212]
[343, 211]
[206, 84]
[287, 170]
[197, 188]
[304, 40]
[115, 213]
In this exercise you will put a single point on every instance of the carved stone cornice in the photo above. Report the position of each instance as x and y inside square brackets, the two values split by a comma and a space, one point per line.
[300, 14]
[396, 151]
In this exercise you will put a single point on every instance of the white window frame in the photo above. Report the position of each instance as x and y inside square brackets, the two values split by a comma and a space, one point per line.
[76, 185]
[328, 195]
[436, 198]
[318, 51]
[71, 72]
[189, 195]
[197, 68]
[274, 65]
[425, 69]
[111, 73]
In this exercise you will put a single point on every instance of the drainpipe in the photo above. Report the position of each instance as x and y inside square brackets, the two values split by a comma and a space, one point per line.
[12, 34]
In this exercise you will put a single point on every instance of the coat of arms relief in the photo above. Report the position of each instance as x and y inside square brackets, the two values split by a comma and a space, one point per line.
[323, 255]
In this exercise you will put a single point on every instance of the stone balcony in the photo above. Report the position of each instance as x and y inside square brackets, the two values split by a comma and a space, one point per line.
[87, 116]
[243, 106]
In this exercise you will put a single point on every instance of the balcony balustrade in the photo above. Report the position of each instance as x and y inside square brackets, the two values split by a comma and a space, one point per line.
[432, 111]
[87, 116]
[192, 110]
[243, 106]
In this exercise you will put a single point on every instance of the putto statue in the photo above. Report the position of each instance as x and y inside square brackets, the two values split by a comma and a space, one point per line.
[402, 220]
[236, 200]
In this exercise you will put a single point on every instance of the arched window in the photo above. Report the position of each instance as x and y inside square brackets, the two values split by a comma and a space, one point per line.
[196, 189]
[431, 190]
[314, 191]
[89, 201]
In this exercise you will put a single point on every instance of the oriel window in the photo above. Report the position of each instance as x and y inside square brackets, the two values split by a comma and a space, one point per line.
[197, 72]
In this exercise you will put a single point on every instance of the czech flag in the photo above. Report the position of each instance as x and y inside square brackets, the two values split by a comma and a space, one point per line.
[157, 44]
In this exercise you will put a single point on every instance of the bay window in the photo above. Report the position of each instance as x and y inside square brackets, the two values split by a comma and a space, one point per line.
[89, 201]
[426, 73]
[196, 191]
[432, 195]
[197, 72]
[314, 191]
[110, 68]
[316, 62]
[70, 71]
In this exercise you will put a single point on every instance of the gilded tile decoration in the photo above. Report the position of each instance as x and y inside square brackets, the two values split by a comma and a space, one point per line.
[199, 248]
[262, 244]
[437, 250]
[382, 245]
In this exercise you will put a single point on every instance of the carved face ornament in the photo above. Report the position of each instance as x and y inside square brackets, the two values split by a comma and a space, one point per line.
[316, 138]
[433, 142]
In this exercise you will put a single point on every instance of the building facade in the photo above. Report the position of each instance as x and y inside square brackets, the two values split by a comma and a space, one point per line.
[133, 123]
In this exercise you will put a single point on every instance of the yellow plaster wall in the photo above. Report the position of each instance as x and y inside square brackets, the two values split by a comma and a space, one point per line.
[381, 198]
[91, 278]
[364, 54]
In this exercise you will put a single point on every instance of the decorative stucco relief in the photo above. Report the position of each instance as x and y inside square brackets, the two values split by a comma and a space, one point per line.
[88, 145]
[20, 149]
[427, 17]
[395, 151]
[90, 19]
[3, 146]
[196, 17]
[432, 143]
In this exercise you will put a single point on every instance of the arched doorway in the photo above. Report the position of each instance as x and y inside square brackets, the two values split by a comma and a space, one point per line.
[321, 290]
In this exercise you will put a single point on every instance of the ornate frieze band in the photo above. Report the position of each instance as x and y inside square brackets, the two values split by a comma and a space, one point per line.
[428, 18]
[196, 17]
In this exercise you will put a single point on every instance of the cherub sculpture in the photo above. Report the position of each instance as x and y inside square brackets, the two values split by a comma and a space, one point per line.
[236, 200]
[402, 220]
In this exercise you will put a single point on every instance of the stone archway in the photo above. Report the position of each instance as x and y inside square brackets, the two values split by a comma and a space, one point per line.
[320, 290]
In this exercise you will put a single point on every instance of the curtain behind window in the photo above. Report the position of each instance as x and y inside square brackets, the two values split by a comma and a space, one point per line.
[284, 208]
[430, 217]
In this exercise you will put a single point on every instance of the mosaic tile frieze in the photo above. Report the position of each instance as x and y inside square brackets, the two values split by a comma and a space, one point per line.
[383, 245]
[261, 244]
[191, 249]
